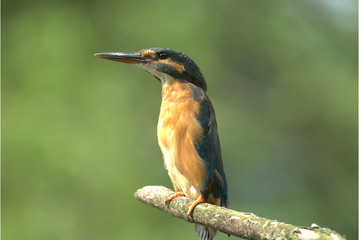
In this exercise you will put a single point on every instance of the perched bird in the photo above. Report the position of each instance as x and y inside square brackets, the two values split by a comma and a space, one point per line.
[187, 128]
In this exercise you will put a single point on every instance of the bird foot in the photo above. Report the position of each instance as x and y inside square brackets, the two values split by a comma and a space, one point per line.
[173, 196]
[192, 205]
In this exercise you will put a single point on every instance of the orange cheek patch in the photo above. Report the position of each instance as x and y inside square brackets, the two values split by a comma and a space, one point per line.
[179, 67]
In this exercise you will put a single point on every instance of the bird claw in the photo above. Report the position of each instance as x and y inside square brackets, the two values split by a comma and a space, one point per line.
[192, 205]
[173, 196]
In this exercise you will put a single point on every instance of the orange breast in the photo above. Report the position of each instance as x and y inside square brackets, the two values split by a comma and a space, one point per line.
[178, 131]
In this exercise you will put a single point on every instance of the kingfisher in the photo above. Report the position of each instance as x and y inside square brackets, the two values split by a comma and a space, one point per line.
[187, 128]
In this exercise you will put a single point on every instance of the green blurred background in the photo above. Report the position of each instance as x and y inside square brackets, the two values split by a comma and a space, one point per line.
[79, 132]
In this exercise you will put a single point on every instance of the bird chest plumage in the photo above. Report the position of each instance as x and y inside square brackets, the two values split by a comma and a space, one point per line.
[178, 132]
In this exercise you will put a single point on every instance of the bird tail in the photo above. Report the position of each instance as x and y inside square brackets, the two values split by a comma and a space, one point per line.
[205, 233]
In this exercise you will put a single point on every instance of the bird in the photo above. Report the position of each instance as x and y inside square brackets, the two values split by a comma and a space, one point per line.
[187, 128]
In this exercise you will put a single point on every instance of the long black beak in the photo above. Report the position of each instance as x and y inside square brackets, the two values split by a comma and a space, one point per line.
[132, 58]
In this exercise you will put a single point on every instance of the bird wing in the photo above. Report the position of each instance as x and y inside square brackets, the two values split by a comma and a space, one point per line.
[209, 150]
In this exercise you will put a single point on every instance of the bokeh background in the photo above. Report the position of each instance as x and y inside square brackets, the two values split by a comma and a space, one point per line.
[79, 132]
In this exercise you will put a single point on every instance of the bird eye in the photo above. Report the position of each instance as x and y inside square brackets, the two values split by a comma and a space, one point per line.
[162, 55]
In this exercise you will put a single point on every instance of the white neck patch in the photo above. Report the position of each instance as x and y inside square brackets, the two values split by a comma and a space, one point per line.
[165, 78]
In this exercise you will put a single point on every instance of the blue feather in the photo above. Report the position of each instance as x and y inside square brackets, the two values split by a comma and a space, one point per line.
[209, 150]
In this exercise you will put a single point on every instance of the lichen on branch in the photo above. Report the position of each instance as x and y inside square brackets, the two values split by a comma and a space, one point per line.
[240, 224]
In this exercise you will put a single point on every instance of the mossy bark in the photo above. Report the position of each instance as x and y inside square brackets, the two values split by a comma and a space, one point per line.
[240, 224]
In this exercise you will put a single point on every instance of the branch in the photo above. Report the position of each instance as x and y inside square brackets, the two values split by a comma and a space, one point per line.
[243, 225]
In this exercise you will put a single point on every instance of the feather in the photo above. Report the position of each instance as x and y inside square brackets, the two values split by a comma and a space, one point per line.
[205, 233]
[209, 150]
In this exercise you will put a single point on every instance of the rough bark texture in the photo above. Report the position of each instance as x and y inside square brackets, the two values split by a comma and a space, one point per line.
[243, 225]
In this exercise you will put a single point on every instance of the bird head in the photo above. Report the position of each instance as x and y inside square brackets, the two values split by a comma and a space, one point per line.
[165, 64]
